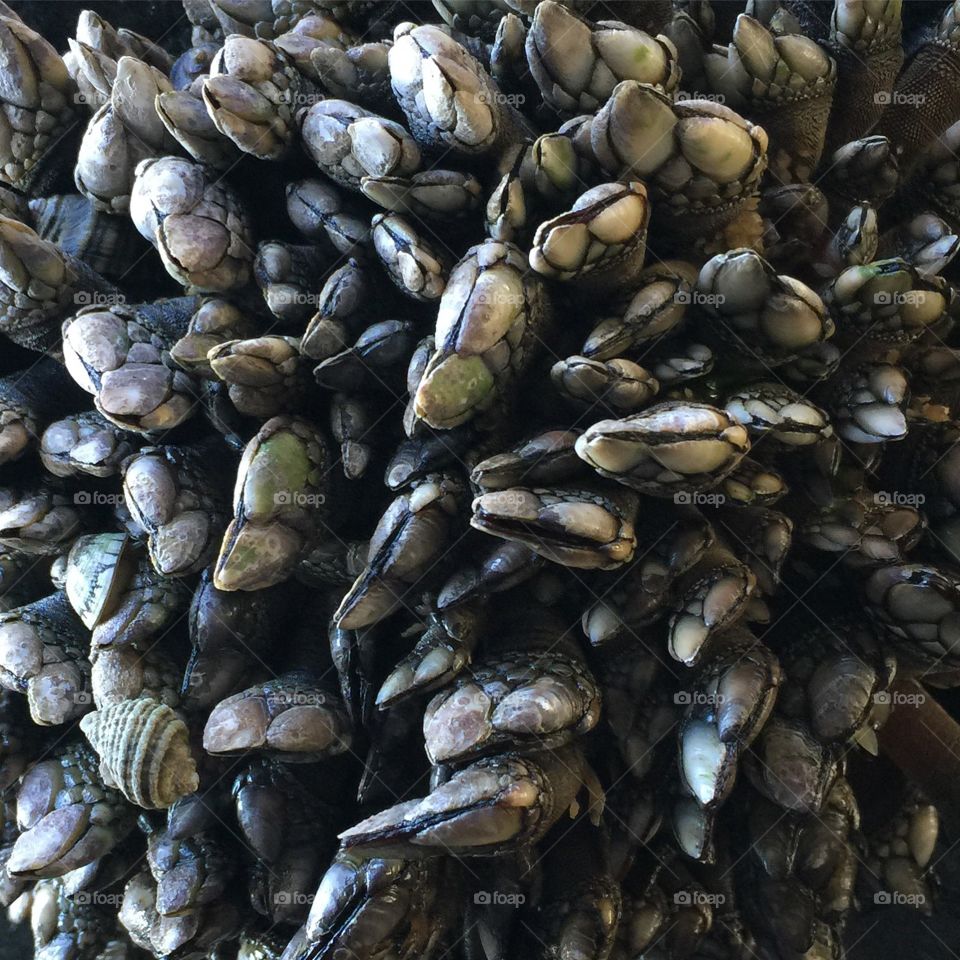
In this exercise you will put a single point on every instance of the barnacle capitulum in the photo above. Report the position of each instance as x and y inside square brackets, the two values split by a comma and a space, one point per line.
[37, 103]
[448, 97]
[700, 159]
[119, 353]
[251, 95]
[544, 693]
[589, 527]
[490, 320]
[497, 804]
[292, 716]
[670, 448]
[197, 224]
[67, 815]
[785, 84]
[602, 240]
[279, 505]
[124, 131]
[577, 64]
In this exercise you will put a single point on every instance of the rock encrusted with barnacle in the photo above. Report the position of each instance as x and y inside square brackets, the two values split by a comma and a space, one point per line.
[486, 481]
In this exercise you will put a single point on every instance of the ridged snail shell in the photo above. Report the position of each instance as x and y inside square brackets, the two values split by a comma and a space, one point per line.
[98, 567]
[144, 751]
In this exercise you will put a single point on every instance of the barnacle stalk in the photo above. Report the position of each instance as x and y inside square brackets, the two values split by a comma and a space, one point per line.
[865, 41]
[924, 100]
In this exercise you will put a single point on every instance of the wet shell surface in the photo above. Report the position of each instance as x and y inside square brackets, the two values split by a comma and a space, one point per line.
[144, 751]
[98, 567]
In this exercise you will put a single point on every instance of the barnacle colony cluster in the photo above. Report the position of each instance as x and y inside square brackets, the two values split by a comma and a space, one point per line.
[478, 478]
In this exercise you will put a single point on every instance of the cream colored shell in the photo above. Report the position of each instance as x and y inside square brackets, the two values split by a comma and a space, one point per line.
[144, 751]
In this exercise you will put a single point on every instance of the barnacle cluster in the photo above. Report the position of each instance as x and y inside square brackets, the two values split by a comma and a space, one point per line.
[478, 478]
